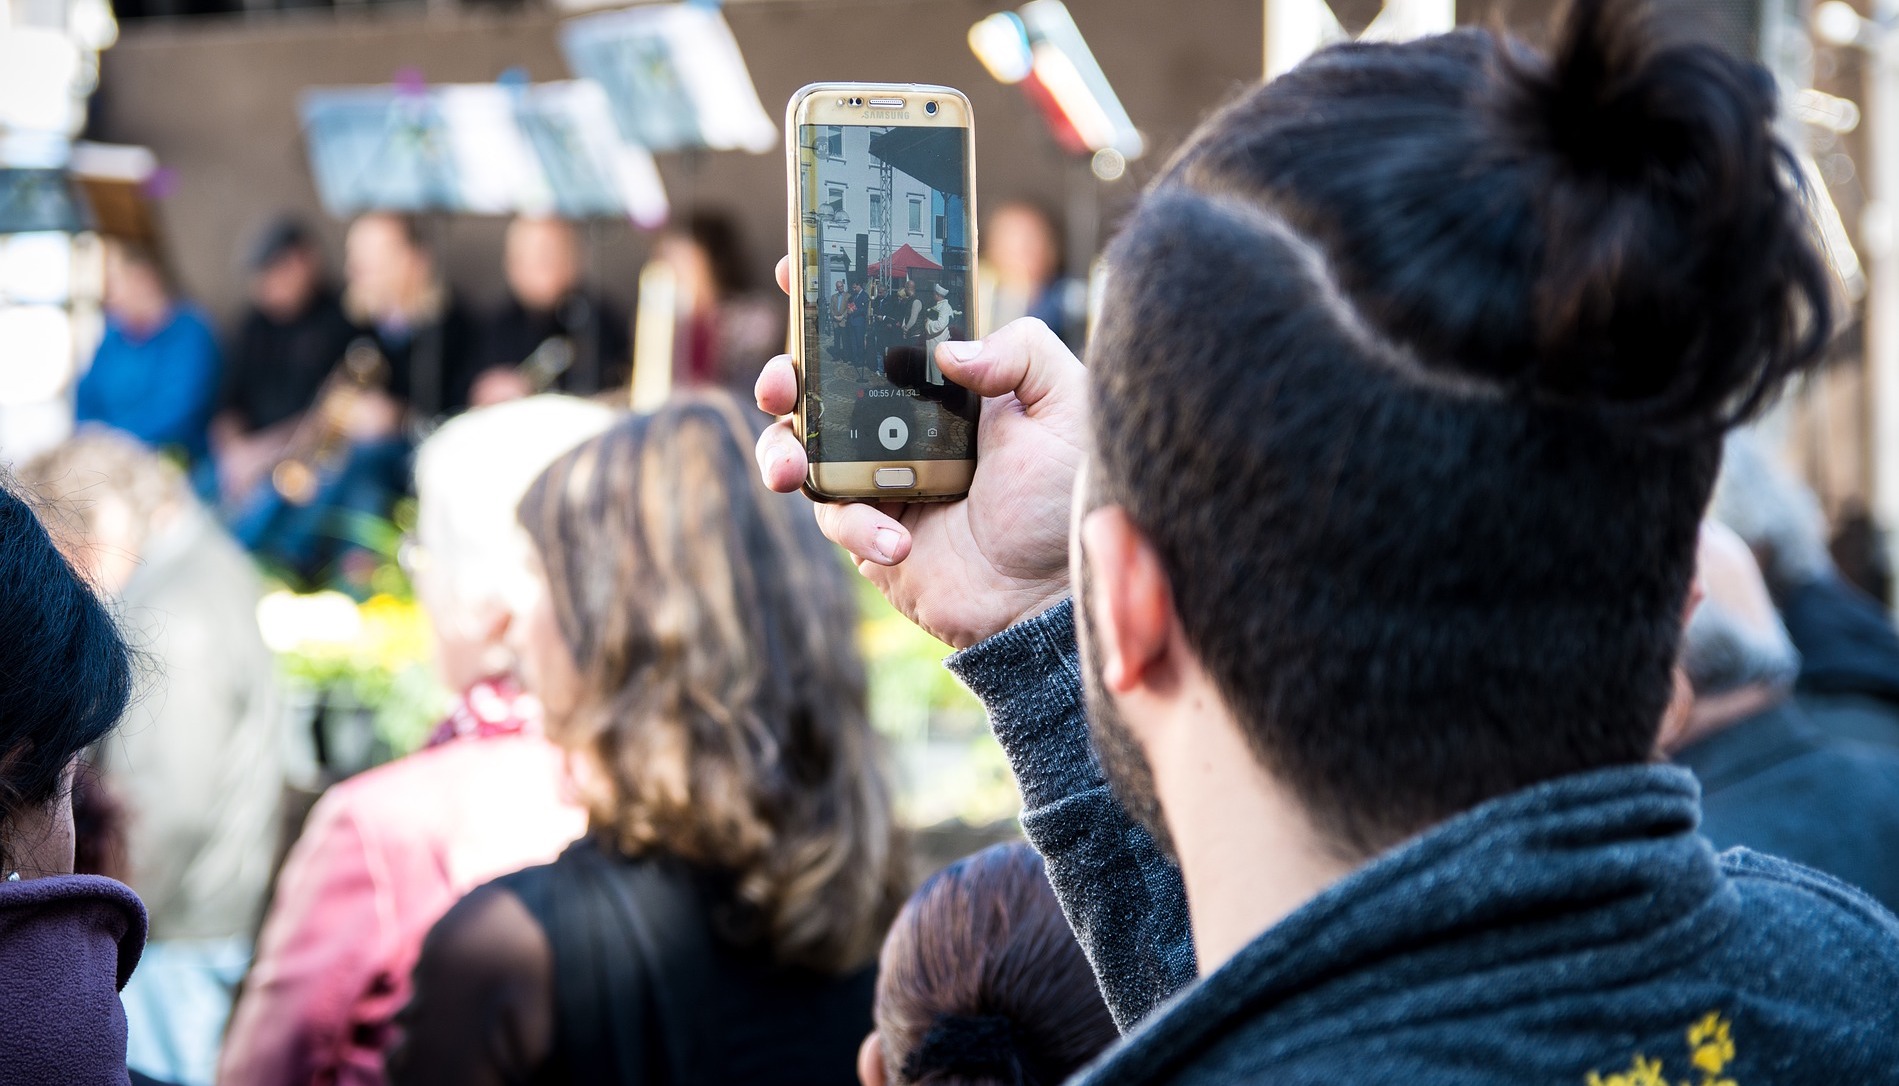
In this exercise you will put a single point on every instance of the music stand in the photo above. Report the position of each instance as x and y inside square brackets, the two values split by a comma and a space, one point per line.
[482, 149]
[674, 76]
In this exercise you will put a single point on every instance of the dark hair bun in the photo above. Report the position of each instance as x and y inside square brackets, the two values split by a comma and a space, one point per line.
[1678, 283]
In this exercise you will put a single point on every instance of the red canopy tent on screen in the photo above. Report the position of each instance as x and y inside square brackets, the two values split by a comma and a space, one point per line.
[904, 261]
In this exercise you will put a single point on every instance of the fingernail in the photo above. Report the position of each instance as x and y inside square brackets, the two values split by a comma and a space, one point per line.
[885, 544]
[767, 460]
[964, 351]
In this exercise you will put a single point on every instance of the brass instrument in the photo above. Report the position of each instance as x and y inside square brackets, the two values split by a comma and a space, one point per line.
[320, 443]
[544, 366]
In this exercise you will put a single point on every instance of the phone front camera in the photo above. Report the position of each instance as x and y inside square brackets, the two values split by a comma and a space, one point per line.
[930, 108]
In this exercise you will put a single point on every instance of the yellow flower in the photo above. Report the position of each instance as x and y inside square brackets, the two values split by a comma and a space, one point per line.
[1712, 1044]
[1642, 1072]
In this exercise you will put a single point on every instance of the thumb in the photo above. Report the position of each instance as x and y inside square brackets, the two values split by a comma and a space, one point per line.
[1022, 357]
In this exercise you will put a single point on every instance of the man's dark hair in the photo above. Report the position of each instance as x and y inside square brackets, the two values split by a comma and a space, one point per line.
[1413, 369]
[65, 671]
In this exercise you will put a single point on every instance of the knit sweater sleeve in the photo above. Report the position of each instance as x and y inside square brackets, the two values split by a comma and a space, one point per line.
[1121, 894]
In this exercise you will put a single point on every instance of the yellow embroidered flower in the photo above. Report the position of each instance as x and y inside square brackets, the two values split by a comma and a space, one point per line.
[1642, 1072]
[1712, 1044]
[1711, 1049]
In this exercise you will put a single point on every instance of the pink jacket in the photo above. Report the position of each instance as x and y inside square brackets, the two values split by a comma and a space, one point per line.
[383, 856]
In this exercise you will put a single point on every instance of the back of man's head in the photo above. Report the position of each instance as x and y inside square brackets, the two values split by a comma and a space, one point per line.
[1413, 371]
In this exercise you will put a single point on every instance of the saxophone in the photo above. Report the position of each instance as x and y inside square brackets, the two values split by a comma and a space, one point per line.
[319, 445]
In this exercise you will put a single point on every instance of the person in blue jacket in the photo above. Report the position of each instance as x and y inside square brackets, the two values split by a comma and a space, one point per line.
[156, 372]
[1386, 473]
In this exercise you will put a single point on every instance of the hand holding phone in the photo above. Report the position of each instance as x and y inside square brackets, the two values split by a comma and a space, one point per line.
[968, 569]
[882, 230]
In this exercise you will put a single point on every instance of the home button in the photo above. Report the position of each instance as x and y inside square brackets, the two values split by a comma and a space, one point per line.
[895, 478]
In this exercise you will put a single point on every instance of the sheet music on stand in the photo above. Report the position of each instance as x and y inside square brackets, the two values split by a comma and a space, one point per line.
[482, 149]
[674, 76]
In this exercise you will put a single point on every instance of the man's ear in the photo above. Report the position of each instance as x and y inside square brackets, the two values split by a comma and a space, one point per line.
[1130, 602]
[870, 1061]
[1673, 734]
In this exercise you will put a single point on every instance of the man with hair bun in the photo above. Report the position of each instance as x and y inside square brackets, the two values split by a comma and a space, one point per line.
[1387, 470]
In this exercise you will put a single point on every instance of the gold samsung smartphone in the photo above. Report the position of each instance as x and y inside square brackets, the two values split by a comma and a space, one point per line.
[883, 232]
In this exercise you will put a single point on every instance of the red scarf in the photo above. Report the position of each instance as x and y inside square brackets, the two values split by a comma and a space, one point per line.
[490, 708]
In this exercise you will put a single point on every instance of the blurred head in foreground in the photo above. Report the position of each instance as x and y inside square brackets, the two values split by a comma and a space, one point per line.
[65, 680]
[982, 982]
[1450, 333]
[470, 556]
[691, 638]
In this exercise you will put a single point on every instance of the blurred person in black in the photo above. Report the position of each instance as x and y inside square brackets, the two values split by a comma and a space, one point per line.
[396, 294]
[351, 457]
[290, 338]
[689, 638]
[551, 334]
[1849, 649]
[1771, 780]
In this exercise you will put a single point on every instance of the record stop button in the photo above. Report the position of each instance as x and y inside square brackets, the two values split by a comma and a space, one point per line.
[893, 432]
[895, 478]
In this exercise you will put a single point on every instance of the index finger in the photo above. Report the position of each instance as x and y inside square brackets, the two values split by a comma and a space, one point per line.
[783, 272]
[777, 388]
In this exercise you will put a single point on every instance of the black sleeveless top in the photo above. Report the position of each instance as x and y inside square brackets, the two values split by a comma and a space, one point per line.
[645, 991]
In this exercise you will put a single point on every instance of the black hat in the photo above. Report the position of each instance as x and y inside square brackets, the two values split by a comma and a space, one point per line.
[278, 238]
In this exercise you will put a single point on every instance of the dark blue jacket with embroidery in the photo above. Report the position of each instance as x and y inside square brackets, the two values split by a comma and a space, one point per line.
[1578, 933]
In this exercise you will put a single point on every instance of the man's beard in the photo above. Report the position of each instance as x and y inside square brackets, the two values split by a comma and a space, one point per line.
[1122, 760]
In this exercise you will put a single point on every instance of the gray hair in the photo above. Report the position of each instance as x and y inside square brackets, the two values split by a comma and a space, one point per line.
[1723, 651]
[72, 481]
[471, 475]
[1770, 508]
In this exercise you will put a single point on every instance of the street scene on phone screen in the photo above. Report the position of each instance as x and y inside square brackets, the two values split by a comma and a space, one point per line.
[885, 225]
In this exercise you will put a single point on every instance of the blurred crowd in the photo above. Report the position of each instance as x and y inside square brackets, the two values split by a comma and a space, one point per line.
[1412, 669]
[205, 467]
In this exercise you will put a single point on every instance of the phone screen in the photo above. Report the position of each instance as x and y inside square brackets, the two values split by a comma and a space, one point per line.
[886, 237]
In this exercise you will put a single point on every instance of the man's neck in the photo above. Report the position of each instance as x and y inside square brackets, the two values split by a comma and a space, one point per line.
[1248, 854]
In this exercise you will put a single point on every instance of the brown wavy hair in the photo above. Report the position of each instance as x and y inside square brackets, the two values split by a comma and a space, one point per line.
[722, 718]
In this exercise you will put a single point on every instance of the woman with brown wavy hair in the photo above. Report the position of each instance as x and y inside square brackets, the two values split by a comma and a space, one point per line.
[691, 640]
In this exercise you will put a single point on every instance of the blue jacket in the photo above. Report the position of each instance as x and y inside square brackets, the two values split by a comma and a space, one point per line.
[1849, 660]
[1579, 932]
[160, 389]
[1775, 783]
